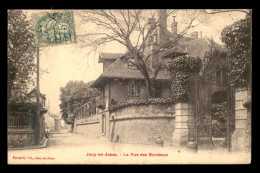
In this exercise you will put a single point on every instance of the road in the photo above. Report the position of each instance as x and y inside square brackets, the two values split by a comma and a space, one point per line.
[71, 148]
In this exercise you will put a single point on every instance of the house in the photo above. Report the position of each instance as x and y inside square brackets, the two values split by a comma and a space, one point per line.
[22, 121]
[50, 122]
[121, 82]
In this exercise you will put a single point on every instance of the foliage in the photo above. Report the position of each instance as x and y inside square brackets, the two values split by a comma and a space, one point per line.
[219, 119]
[100, 102]
[21, 55]
[181, 69]
[141, 102]
[238, 40]
[74, 95]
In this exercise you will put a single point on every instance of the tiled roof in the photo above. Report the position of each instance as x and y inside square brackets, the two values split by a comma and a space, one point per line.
[109, 56]
[195, 47]
[198, 47]
[175, 50]
[119, 70]
[34, 91]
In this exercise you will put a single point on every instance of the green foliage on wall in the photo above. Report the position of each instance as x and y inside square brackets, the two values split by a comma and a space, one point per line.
[219, 120]
[181, 69]
[141, 102]
[238, 40]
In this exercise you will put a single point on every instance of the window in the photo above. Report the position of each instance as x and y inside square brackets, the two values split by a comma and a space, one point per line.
[154, 38]
[218, 77]
[221, 77]
[133, 89]
[158, 91]
[224, 77]
[131, 65]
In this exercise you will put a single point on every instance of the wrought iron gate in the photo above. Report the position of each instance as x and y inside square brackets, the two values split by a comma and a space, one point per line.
[214, 117]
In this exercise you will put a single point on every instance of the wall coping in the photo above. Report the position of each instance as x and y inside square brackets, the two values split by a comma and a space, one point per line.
[147, 102]
[89, 122]
[241, 89]
[117, 118]
[167, 111]
[26, 130]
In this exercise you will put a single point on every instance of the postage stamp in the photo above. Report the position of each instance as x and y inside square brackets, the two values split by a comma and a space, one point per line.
[55, 28]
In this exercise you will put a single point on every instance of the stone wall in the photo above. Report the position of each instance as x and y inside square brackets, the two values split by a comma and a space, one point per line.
[140, 124]
[20, 137]
[239, 135]
[143, 124]
[90, 130]
[89, 126]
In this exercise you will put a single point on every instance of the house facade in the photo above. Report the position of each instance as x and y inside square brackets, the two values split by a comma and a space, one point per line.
[121, 83]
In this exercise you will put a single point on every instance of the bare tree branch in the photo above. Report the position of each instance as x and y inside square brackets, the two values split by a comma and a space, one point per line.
[225, 11]
[131, 29]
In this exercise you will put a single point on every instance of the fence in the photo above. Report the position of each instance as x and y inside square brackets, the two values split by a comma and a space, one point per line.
[18, 120]
[87, 110]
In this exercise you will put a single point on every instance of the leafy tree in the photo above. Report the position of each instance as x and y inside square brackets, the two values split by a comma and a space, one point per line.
[74, 95]
[21, 55]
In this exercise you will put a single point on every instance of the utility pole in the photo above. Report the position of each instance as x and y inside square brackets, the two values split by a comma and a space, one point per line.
[38, 101]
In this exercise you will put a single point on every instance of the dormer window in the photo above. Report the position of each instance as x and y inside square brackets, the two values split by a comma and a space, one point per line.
[154, 38]
[131, 65]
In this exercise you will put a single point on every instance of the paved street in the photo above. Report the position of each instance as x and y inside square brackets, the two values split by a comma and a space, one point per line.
[71, 148]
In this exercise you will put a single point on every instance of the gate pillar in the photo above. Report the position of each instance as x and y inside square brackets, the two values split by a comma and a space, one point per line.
[239, 135]
[183, 113]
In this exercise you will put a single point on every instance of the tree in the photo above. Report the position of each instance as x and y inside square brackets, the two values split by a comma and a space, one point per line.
[21, 55]
[74, 95]
[134, 29]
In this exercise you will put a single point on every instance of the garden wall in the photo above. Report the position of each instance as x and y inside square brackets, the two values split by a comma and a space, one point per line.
[143, 124]
[20, 137]
[89, 126]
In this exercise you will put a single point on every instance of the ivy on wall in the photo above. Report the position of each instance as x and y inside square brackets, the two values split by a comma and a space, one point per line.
[141, 102]
[181, 69]
[238, 40]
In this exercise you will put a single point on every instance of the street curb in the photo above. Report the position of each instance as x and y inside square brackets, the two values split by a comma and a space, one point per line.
[32, 147]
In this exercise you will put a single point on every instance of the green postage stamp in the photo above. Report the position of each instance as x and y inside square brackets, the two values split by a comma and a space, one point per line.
[55, 28]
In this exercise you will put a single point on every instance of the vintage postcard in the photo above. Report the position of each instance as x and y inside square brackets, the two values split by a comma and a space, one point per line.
[161, 86]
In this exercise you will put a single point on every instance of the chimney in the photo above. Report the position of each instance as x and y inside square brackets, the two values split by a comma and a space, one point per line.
[151, 22]
[174, 26]
[194, 34]
[162, 17]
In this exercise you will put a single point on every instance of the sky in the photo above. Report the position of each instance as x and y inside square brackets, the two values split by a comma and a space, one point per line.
[70, 62]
